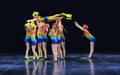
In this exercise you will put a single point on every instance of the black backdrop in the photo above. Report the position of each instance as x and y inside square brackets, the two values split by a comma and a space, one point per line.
[101, 16]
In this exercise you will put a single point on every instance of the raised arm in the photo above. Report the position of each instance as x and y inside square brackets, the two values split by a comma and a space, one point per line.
[80, 27]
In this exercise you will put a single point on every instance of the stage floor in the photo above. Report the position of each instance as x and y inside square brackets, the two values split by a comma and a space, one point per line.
[100, 64]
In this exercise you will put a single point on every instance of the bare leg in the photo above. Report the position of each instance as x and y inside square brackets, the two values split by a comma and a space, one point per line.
[60, 51]
[27, 50]
[55, 52]
[63, 47]
[40, 53]
[34, 52]
[91, 49]
[44, 45]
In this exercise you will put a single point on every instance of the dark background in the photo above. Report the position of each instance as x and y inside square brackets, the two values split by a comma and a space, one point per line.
[101, 16]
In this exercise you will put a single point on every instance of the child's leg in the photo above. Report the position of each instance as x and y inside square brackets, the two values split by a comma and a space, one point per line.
[33, 45]
[91, 49]
[34, 52]
[44, 45]
[63, 47]
[55, 52]
[40, 53]
[27, 50]
[60, 51]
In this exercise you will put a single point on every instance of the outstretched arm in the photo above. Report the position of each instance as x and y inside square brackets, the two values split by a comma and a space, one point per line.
[31, 20]
[79, 26]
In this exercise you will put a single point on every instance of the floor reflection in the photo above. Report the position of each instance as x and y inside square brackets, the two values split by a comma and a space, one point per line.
[59, 68]
[28, 66]
[40, 68]
[91, 66]
[101, 64]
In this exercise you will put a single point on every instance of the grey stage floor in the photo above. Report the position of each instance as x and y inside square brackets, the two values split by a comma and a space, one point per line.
[100, 64]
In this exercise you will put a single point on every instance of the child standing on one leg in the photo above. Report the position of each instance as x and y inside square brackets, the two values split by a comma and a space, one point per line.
[87, 35]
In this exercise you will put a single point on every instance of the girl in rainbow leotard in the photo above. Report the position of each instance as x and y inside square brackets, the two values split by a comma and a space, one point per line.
[87, 35]
[38, 18]
[30, 35]
[61, 39]
[54, 43]
[60, 36]
[42, 38]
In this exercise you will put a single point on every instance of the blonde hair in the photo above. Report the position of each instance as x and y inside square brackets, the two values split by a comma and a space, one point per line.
[35, 13]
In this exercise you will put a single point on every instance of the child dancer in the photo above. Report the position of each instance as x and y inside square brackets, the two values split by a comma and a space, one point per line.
[58, 35]
[30, 29]
[42, 38]
[61, 36]
[38, 18]
[54, 44]
[87, 35]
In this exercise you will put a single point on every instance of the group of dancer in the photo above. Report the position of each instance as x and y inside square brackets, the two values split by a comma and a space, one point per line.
[38, 27]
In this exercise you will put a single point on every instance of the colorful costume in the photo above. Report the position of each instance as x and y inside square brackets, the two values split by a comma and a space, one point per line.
[46, 18]
[41, 19]
[60, 37]
[87, 33]
[42, 33]
[54, 40]
[53, 37]
[89, 36]
[30, 33]
[51, 18]
[59, 30]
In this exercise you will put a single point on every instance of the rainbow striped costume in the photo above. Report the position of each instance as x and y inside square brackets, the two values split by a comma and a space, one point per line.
[59, 36]
[30, 33]
[54, 40]
[53, 37]
[42, 33]
[89, 36]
